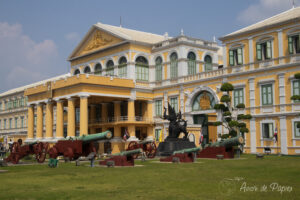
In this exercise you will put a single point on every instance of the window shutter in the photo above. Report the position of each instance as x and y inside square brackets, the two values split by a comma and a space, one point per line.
[291, 49]
[258, 51]
[269, 50]
[231, 58]
[240, 56]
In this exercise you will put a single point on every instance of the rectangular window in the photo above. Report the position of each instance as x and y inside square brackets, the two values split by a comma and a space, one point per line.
[0, 124]
[77, 115]
[294, 44]
[267, 94]
[35, 118]
[16, 122]
[158, 108]
[4, 124]
[22, 122]
[296, 129]
[122, 70]
[10, 123]
[0, 106]
[174, 103]
[141, 72]
[296, 88]
[174, 69]
[238, 95]
[264, 50]
[236, 56]
[157, 134]
[267, 130]
[158, 72]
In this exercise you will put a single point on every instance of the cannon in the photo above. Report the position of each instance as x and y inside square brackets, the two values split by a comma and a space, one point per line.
[184, 155]
[124, 158]
[223, 147]
[75, 147]
[19, 151]
[148, 146]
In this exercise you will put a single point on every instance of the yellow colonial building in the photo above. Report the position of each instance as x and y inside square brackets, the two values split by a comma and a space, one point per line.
[120, 80]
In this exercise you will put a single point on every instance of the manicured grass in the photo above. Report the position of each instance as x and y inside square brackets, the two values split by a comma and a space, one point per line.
[206, 179]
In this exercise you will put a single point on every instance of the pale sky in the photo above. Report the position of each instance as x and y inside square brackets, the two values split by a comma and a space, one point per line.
[36, 37]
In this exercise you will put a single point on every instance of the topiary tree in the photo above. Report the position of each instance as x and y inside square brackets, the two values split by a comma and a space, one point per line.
[233, 122]
[296, 97]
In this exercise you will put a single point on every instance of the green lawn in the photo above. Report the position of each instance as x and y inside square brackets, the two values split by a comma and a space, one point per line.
[205, 179]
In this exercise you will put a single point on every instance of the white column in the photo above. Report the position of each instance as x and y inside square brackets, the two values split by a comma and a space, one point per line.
[224, 56]
[251, 57]
[281, 91]
[283, 135]
[165, 100]
[181, 107]
[280, 45]
[252, 136]
[130, 68]
[252, 95]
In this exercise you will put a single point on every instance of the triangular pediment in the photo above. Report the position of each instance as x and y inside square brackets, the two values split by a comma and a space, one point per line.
[95, 40]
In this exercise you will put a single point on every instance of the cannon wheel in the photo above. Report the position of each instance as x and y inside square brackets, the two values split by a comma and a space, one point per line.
[14, 156]
[132, 146]
[68, 154]
[41, 151]
[53, 153]
[150, 150]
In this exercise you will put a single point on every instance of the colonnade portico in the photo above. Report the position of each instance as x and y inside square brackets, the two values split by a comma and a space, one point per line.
[88, 123]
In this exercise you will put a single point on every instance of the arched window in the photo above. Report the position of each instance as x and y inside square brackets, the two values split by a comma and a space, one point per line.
[110, 68]
[174, 65]
[98, 69]
[203, 101]
[141, 69]
[158, 69]
[191, 63]
[122, 68]
[87, 70]
[208, 63]
[77, 71]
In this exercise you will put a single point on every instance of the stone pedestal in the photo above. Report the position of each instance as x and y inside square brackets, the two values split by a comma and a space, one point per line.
[170, 145]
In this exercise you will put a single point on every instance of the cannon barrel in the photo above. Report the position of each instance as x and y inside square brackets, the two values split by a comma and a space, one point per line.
[189, 150]
[128, 153]
[230, 142]
[94, 137]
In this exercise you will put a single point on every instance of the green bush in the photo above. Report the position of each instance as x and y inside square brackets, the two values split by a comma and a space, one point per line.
[240, 116]
[224, 136]
[233, 123]
[217, 123]
[297, 75]
[228, 119]
[248, 116]
[240, 105]
[225, 98]
[227, 113]
[295, 97]
[233, 133]
[241, 125]
[244, 130]
[226, 87]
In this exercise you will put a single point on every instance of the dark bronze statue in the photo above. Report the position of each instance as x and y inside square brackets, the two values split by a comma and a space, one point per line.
[177, 125]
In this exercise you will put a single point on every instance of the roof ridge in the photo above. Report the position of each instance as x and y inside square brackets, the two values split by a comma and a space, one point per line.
[260, 22]
[130, 29]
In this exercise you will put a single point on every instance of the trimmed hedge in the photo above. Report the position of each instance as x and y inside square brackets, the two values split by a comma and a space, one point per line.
[240, 105]
[227, 113]
[225, 98]
[233, 123]
[226, 87]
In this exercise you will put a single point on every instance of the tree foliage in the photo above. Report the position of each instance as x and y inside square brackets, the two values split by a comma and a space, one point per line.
[234, 122]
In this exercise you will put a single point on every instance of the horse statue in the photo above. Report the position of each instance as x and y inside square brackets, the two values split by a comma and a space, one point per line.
[177, 125]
